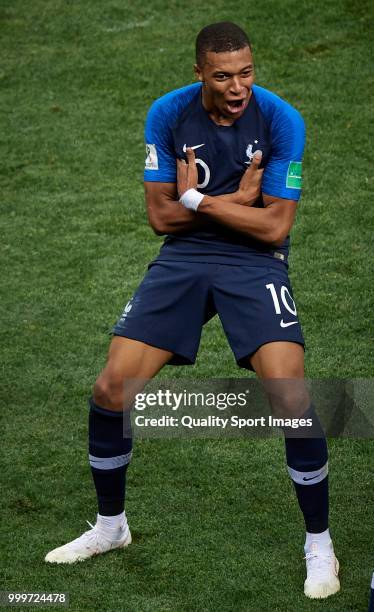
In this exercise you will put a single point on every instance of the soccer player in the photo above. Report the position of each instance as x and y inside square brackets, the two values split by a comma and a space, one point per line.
[227, 216]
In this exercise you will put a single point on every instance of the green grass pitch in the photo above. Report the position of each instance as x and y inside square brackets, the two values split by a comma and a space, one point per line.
[215, 522]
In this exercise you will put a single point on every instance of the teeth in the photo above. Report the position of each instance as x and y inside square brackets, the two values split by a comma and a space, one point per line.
[236, 103]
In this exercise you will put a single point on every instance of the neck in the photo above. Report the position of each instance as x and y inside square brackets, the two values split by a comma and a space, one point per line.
[213, 112]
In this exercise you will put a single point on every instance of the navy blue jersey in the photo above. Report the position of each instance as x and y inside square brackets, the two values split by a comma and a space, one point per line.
[178, 120]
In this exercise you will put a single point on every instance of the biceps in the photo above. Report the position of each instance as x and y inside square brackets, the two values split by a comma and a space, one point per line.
[159, 197]
[283, 211]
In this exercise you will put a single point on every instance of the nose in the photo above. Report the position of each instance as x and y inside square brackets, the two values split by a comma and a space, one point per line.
[236, 87]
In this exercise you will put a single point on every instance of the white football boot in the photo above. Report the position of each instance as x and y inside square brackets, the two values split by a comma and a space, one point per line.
[100, 539]
[322, 572]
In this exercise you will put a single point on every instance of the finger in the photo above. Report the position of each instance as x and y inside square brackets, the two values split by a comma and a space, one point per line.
[257, 158]
[254, 166]
[190, 156]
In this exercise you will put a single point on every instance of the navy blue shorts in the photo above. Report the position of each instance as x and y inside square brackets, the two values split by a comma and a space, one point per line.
[175, 299]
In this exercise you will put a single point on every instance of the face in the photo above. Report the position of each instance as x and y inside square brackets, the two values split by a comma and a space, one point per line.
[227, 81]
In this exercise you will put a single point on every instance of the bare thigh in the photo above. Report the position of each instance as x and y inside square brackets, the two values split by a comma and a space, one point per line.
[128, 361]
[280, 366]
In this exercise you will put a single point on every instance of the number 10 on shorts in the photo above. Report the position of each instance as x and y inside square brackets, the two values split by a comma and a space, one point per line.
[286, 299]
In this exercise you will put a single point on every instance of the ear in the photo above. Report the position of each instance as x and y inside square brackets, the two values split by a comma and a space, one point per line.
[198, 72]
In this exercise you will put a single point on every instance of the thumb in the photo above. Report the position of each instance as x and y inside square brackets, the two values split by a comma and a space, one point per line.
[190, 156]
[257, 158]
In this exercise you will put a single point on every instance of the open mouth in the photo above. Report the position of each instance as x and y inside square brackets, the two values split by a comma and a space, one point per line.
[236, 106]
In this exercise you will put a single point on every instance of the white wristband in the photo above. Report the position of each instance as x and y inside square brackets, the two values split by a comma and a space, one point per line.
[191, 199]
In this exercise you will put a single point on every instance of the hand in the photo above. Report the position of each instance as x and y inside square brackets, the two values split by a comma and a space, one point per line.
[250, 185]
[186, 173]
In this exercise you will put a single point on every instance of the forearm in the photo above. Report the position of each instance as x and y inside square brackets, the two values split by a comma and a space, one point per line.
[228, 208]
[237, 198]
[173, 218]
[259, 223]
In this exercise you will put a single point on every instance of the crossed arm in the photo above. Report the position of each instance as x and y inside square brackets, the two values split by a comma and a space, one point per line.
[270, 224]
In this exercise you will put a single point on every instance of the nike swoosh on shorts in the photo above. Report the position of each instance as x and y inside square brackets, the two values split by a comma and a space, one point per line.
[283, 324]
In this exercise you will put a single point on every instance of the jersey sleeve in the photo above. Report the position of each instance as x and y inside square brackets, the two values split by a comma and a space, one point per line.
[283, 173]
[160, 163]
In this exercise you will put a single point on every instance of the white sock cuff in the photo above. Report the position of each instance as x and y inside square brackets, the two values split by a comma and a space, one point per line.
[309, 478]
[111, 522]
[323, 539]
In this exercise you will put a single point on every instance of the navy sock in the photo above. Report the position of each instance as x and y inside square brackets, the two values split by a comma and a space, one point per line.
[371, 602]
[307, 462]
[110, 448]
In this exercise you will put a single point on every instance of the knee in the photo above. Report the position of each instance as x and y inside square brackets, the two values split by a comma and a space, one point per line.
[289, 398]
[108, 392]
[294, 404]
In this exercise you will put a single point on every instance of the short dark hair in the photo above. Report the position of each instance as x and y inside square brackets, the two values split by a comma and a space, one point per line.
[220, 37]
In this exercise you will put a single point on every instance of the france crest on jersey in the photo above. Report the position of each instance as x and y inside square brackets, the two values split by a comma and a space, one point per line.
[178, 120]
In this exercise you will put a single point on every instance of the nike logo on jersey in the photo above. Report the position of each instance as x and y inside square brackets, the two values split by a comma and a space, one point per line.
[195, 147]
[283, 324]
[312, 478]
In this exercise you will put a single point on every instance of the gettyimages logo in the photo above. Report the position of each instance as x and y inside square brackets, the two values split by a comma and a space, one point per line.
[255, 408]
[187, 399]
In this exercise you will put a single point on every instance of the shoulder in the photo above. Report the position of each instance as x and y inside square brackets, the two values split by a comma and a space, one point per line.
[283, 172]
[166, 110]
[278, 113]
[160, 163]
